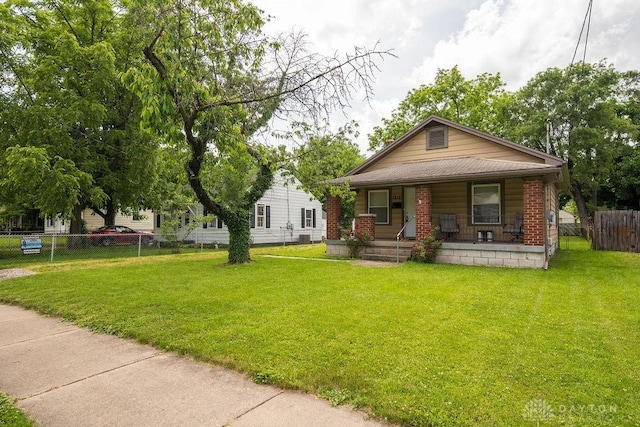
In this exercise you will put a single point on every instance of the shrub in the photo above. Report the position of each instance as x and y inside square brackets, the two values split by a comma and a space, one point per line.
[356, 241]
[426, 247]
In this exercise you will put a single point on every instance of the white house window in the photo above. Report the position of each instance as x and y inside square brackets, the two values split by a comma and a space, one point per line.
[485, 199]
[437, 138]
[260, 216]
[308, 222]
[379, 205]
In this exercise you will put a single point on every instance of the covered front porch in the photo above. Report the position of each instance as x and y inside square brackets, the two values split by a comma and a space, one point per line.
[507, 222]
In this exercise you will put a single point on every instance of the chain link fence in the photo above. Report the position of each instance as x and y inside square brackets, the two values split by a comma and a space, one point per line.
[20, 249]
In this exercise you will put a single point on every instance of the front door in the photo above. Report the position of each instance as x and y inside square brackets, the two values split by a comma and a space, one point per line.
[410, 212]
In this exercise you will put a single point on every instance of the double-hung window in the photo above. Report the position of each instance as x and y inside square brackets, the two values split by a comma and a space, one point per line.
[379, 205]
[260, 216]
[486, 203]
[308, 223]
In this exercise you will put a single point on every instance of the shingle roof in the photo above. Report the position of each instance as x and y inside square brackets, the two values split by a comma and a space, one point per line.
[445, 170]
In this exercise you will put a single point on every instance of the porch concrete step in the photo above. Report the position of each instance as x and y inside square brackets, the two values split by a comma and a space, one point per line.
[380, 250]
[384, 257]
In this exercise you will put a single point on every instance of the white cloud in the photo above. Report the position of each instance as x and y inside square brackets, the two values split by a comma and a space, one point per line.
[516, 38]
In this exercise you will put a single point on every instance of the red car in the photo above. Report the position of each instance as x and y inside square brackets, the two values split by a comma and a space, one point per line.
[119, 235]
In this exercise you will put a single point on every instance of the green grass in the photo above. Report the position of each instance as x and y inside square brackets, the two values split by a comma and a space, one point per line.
[417, 344]
[11, 416]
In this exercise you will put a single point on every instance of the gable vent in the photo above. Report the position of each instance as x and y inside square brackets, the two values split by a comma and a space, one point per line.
[437, 138]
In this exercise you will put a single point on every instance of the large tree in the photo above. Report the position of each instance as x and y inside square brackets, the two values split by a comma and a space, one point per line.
[587, 106]
[214, 79]
[480, 103]
[69, 129]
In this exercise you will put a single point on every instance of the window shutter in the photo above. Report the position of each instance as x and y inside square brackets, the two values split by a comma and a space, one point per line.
[219, 222]
[314, 218]
[267, 213]
[302, 224]
[205, 224]
[158, 220]
[253, 217]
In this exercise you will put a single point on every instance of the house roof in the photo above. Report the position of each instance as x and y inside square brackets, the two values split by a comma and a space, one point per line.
[547, 158]
[445, 170]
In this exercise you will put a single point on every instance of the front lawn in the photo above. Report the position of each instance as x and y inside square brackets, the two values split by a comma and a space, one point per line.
[416, 344]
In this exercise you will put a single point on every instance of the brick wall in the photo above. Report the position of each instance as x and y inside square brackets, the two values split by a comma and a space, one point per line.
[334, 210]
[423, 210]
[367, 222]
[533, 212]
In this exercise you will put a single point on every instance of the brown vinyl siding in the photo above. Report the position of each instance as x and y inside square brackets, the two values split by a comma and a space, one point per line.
[513, 197]
[460, 144]
[361, 202]
[449, 198]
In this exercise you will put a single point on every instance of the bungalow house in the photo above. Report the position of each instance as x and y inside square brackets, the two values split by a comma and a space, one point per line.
[495, 202]
[284, 214]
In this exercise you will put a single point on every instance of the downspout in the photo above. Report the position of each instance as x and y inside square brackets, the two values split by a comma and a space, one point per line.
[546, 228]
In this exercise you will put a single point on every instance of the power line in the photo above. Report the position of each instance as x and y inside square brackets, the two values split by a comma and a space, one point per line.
[586, 22]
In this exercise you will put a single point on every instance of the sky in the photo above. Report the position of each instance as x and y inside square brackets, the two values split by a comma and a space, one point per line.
[515, 38]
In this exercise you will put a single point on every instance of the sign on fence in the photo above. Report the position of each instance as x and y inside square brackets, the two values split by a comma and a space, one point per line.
[31, 245]
[616, 231]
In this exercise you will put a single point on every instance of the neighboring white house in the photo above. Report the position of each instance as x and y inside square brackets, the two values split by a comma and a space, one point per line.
[143, 221]
[284, 214]
[566, 218]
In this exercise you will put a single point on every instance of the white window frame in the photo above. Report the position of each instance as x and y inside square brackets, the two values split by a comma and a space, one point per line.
[477, 221]
[308, 218]
[376, 207]
[260, 217]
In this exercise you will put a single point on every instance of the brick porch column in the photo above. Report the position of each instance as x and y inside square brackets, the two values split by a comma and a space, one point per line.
[334, 211]
[533, 189]
[423, 210]
[367, 222]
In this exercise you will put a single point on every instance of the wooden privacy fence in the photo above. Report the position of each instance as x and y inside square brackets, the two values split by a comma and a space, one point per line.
[616, 231]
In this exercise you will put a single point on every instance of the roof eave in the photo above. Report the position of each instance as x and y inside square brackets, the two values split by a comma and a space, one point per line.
[457, 178]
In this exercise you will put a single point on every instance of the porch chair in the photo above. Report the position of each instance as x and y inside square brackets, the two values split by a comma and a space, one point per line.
[449, 225]
[516, 229]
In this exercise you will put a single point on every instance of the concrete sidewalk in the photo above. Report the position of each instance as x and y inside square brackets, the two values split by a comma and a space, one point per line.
[67, 376]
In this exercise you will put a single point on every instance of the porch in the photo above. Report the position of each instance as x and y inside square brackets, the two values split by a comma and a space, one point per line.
[514, 226]
[471, 245]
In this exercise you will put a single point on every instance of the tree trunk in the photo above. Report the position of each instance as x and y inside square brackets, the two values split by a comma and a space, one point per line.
[239, 227]
[583, 211]
[110, 217]
[75, 241]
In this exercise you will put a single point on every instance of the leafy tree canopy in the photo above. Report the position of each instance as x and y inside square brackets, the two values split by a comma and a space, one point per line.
[65, 109]
[589, 108]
